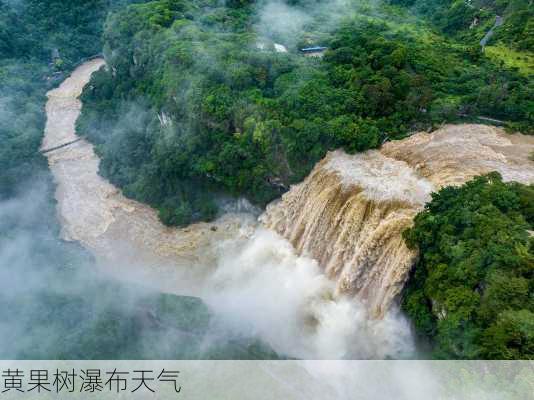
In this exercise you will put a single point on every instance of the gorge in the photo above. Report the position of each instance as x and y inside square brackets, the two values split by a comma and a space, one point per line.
[329, 290]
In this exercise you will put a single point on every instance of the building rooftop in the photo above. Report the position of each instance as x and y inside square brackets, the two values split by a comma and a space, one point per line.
[313, 49]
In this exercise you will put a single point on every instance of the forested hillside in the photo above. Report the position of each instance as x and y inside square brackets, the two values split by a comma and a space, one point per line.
[39, 42]
[504, 27]
[469, 20]
[472, 290]
[202, 105]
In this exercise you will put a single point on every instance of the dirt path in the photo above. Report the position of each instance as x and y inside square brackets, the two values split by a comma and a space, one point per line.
[498, 22]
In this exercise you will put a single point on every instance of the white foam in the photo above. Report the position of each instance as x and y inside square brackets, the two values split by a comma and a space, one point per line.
[380, 177]
[262, 288]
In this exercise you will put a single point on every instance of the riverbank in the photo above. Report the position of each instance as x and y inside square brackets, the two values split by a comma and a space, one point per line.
[118, 231]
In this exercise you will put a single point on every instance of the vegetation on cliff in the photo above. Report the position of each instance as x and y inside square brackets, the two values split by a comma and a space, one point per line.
[472, 290]
[197, 102]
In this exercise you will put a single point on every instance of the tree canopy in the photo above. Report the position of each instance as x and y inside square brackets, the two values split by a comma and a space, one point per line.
[472, 291]
[220, 112]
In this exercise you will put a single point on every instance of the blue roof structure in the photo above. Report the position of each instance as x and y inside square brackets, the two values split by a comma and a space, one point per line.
[313, 49]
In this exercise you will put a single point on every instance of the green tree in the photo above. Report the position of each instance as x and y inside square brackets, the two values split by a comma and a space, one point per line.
[472, 290]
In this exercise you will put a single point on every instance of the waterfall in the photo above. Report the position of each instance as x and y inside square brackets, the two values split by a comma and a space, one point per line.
[350, 212]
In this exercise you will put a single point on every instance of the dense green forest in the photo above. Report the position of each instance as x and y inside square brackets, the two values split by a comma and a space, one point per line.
[197, 104]
[511, 23]
[472, 292]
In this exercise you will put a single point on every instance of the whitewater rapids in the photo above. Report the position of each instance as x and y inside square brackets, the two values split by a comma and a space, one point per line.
[349, 214]
[252, 278]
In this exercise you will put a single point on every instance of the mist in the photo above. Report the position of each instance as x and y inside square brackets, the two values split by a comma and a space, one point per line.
[281, 21]
[292, 23]
[58, 304]
[261, 287]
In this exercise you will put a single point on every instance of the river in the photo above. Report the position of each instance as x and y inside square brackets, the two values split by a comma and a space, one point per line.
[119, 231]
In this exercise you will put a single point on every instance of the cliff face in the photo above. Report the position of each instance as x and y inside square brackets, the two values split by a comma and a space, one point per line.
[349, 214]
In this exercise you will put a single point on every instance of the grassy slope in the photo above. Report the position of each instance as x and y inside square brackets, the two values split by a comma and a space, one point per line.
[522, 60]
